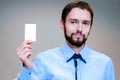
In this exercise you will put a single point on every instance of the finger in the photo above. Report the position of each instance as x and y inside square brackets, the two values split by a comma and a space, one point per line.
[27, 50]
[28, 42]
[21, 53]
[25, 56]
[26, 47]
[22, 47]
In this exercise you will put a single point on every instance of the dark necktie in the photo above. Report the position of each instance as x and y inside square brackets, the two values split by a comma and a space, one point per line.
[76, 56]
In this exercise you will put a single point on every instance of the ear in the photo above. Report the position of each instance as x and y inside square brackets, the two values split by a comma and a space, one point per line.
[62, 24]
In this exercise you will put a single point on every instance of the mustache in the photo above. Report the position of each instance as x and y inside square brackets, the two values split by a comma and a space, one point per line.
[78, 32]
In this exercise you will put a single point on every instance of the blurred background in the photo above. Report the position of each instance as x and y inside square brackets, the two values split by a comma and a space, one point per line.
[14, 14]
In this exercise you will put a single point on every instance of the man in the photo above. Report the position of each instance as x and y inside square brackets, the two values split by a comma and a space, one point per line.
[72, 61]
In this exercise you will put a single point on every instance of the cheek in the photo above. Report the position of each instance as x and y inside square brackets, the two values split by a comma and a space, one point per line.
[86, 32]
[69, 30]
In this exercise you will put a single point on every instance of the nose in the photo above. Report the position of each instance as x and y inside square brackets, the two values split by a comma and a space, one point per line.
[79, 27]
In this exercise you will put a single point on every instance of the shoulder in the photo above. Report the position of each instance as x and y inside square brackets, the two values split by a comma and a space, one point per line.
[46, 56]
[99, 56]
[48, 53]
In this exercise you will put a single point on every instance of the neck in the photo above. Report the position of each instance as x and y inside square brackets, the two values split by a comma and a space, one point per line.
[75, 48]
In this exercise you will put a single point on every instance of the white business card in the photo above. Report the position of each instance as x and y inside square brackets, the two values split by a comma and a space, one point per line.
[30, 32]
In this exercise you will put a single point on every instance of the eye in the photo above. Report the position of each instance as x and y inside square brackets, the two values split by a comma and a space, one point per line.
[86, 22]
[73, 21]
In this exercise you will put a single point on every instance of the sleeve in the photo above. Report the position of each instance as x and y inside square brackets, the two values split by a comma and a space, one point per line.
[110, 71]
[39, 70]
[24, 74]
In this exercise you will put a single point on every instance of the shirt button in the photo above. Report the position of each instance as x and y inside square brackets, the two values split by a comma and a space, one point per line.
[29, 73]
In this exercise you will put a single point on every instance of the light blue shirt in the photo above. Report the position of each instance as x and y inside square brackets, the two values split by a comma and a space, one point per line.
[52, 65]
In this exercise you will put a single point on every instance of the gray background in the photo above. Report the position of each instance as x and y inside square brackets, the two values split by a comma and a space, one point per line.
[14, 14]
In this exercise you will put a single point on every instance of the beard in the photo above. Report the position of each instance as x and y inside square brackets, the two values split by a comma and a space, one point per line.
[78, 42]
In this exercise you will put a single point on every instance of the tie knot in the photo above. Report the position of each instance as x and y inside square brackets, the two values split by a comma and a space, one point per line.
[76, 56]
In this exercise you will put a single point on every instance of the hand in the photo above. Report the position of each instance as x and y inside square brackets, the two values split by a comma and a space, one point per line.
[24, 53]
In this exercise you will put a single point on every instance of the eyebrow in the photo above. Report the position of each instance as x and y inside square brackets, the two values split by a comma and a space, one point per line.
[88, 21]
[73, 20]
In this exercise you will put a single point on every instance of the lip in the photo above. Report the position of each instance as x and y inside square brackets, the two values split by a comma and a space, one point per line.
[77, 36]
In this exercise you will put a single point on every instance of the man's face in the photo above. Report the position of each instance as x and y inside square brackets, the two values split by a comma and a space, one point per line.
[77, 26]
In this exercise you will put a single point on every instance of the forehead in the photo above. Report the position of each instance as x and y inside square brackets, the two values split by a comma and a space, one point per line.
[80, 14]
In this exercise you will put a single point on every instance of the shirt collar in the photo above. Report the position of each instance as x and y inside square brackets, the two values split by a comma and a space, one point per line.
[68, 52]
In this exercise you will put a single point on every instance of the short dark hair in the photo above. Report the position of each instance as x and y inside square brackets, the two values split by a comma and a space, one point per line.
[76, 4]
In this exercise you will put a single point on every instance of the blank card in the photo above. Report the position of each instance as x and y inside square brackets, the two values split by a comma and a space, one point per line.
[30, 32]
